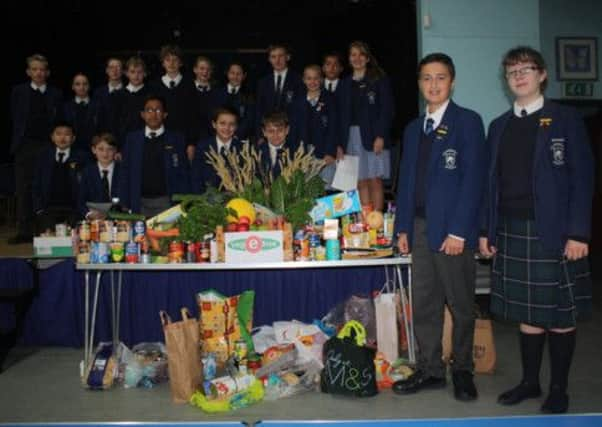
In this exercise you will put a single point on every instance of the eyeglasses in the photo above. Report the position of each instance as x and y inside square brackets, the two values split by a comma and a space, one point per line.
[153, 110]
[524, 71]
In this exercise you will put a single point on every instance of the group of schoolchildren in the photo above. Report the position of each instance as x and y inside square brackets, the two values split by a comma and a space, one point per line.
[521, 196]
[153, 138]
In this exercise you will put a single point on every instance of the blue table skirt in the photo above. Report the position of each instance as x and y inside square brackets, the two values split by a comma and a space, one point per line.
[56, 316]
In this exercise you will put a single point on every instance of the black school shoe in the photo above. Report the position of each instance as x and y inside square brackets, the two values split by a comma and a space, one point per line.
[464, 388]
[519, 393]
[416, 382]
[557, 402]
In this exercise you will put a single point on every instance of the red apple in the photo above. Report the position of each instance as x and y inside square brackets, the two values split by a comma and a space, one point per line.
[244, 220]
[242, 227]
[258, 222]
[231, 227]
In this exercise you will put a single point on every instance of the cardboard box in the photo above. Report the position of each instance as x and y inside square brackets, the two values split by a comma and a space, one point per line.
[336, 205]
[254, 247]
[52, 246]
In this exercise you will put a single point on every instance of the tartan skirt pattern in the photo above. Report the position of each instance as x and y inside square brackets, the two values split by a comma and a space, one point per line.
[536, 286]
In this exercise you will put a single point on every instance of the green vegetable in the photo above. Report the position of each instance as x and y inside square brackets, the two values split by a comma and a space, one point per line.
[202, 214]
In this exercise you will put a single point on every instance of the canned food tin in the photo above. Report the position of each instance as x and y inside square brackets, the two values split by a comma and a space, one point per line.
[95, 230]
[176, 252]
[145, 258]
[333, 249]
[105, 230]
[123, 231]
[132, 252]
[209, 366]
[84, 231]
[191, 252]
[117, 251]
[83, 252]
[99, 253]
[139, 231]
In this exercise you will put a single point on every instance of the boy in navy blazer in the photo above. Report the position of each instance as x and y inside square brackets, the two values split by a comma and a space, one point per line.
[82, 113]
[177, 91]
[56, 180]
[277, 145]
[278, 90]
[332, 67]
[35, 107]
[439, 194]
[128, 102]
[103, 94]
[224, 142]
[205, 101]
[100, 179]
[154, 165]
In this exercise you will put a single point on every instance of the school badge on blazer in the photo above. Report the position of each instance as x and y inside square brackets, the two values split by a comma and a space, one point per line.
[371, 97]
[175, 160]
[449, 157]
[557, 149]
[289, 96]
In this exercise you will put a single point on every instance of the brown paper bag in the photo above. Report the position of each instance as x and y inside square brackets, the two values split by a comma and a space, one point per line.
[183, 355]
[484, 355]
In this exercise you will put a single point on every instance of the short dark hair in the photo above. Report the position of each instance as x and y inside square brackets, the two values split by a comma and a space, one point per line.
[62, 124]
[223, 110]
[526, 54]
[441, 58]
[170, 49]
[153, 97]
[276, 118]
[282, 46]
[333, 54]
[106, 137]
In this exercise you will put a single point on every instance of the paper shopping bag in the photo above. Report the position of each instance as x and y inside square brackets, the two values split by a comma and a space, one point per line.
[183, 355]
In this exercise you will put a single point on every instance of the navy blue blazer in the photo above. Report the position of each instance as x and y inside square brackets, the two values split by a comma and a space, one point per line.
[105, 103]
[266, 96]
[181, 107]
[454, 181]
[125, 110]
[176, 167]
[87, 127]
[244, 109]
[90, 189]
[563, 177]
[42, 177]
[316, 125]
[376, 111]
[202, 173]
[19, 107]
[266, 160]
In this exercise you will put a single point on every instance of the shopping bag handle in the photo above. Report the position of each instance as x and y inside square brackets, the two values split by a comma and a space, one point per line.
[355, 327]
[165, 319]
[185, 313]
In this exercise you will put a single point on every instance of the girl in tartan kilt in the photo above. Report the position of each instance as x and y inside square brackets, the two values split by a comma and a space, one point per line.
[537, 226]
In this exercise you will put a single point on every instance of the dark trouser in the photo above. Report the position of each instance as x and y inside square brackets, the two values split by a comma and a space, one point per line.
[47, 219]
[438, 279]
[25, 165]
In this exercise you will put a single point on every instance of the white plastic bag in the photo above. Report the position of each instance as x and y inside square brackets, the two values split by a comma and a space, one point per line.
[263, 338]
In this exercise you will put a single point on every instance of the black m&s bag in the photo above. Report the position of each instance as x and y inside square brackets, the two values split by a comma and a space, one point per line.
[348, 363]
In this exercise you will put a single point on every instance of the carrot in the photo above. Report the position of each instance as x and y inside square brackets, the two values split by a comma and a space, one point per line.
[157, 234]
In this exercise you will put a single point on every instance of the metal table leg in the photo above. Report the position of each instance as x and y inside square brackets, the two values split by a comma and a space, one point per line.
[93, 318]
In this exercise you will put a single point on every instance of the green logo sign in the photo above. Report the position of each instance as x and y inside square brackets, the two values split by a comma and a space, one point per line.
[253, 244]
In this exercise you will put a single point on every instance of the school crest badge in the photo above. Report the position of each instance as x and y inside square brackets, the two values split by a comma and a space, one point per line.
[557, 153]
[371, 97]
[450, 158]
[175, 160]
[289, 96]
[324, 120]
